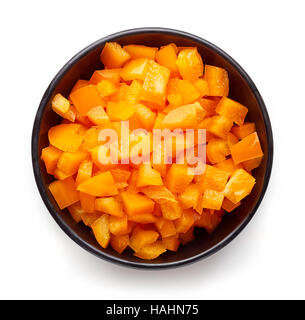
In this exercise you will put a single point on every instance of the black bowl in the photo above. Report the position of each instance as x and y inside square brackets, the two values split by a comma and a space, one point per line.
[242, 89]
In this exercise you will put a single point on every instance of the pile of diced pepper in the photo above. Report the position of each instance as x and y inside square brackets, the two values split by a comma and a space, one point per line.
[150, 207]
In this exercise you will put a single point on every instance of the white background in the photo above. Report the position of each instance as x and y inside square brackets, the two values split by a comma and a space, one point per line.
[37, 260]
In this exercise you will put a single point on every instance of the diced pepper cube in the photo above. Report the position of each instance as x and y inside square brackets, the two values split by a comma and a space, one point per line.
[165, 227]
[107, 74]
[139, 51]
[239, 186]
[167, 57]
[67, 137]
[100, 185]
[212, 199]
[151, 251]
[87, 202]
[135, 203]
[213, 178]
[141, 237]
[101, 230]
[217, 150]
[64, 192]
[118, 225]
[119, 243]
[218, 81]
[60, 104]
[247, 149]
[178, 177]
[135, 69]
[86, 98]
[69, 162]
[113, 55]
[50, 156]
[155, 82]
[190, 64]
[109, 205]
[232, 110]
[148, 176]
[185, 222]
[171, 243]
[244, 130]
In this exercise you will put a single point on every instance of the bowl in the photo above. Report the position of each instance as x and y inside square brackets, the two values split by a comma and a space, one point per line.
[242, 89]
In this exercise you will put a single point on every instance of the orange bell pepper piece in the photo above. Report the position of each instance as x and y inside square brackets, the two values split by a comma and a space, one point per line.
[239, 186]
[202, 86]
[252, 164]
[60, 104]
[76, 212]
[86, 98]
[141, 237]
[79, 84]
[98, 116]
[118, 225]
[187, 237]
[143, 218]
[178, 177]
[50, 156]
[135, 69]
[139, 51]
[232, 110]
[220, 126]
[113, 55]
[122, 110]
[151, 251]
[247, 149]
[190, 64]
[217, 150]
[67, 137]
[185, 222]
[101, 185]
[244, 130]
[106, 88]
[171, 243]
[119, 243]
[89, 218]
[64, 192]
[209, 105]
[212, 199]
[213, 178]
[107, 74]
[159, 194]
[184, 117]
[228, 166]
[229, 206]
[87, 202]
[208, 220]
[84, 171]
[167, 56]
[181, 92]
[171, 210]
[165, 227]
[109, 205]
[218, 81]
[135, 203]
[155, 82]
[146, 118]
[190, 196]
[147, 176]
[101, 230]
[69, 162]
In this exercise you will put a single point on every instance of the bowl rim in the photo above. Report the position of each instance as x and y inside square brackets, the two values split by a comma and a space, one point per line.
[35, 157]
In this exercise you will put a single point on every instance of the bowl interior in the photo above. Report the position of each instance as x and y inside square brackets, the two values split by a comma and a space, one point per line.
[81, 67]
